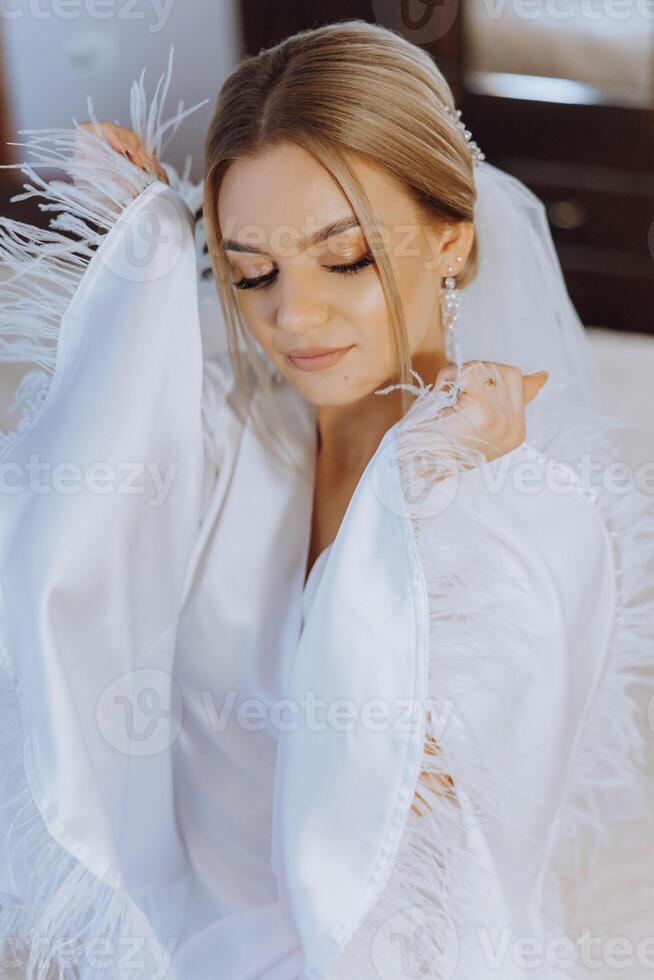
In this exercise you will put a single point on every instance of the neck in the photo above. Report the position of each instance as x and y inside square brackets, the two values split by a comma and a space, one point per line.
[349, 434]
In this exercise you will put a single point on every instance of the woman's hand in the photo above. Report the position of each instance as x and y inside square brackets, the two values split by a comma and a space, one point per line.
[488, 417]
[126, 142]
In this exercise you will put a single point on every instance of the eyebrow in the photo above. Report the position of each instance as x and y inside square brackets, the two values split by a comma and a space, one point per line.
[336, 228]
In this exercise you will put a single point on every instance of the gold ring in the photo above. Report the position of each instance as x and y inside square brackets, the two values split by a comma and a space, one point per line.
[491, 381]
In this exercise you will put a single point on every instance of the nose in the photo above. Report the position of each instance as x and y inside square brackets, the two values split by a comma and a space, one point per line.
[301, 303]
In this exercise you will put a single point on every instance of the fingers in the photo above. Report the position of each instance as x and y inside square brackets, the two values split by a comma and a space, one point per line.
[521, 389]
[532, 384]
[135, 152]
[492, 414]
[128, 144]
[131, 146]
[475, 374]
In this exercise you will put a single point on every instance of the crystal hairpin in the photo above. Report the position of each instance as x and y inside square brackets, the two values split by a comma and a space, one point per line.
[475, 152]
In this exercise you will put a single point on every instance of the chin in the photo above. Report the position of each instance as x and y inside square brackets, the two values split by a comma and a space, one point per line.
[335, 397]
[331, 392]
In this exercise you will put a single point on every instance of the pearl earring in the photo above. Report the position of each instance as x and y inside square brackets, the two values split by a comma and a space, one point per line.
[450, 307]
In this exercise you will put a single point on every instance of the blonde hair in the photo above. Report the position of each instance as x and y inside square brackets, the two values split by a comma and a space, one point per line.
[348, 87]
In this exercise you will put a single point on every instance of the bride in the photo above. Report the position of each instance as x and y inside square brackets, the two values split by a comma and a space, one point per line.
[317, 627]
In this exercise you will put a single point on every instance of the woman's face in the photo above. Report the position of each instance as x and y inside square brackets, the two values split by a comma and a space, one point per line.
[300, 298]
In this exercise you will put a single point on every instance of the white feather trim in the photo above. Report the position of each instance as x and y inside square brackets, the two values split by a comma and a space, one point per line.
[46, 266]
[608, 779]
[439, 889]
[63, 911]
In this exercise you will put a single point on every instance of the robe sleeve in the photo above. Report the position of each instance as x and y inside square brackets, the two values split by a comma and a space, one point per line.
[521, 595]
[536, 576]
[498, 617]
[105, 480]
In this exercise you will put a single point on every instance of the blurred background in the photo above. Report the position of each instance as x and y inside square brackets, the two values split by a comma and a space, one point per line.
[558, 92]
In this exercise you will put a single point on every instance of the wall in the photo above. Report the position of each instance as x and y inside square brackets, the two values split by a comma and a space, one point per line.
[58, 52]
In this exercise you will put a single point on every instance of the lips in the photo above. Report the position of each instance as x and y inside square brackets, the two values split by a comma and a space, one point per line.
[317, 358]
[313, 351]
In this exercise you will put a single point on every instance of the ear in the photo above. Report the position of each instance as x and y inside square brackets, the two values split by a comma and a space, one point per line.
[456, 245]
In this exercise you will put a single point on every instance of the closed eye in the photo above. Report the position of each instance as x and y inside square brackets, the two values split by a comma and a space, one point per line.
[343, 269]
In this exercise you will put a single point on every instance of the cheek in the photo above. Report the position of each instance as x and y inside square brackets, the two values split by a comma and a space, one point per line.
[355, 300]
[357, 308]
[255, 317]
[363, 292]
[375, 361]
[364, 305]
[366, 311]
[418, 287]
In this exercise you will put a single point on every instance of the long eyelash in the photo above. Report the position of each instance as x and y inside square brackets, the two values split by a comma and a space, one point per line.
[251, 283]
[344, 269]
[353, 266]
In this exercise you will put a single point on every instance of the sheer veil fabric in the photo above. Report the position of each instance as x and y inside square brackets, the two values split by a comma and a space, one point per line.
[505, 620]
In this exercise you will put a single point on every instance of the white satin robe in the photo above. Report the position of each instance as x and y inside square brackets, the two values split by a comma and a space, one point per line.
[281, 847]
